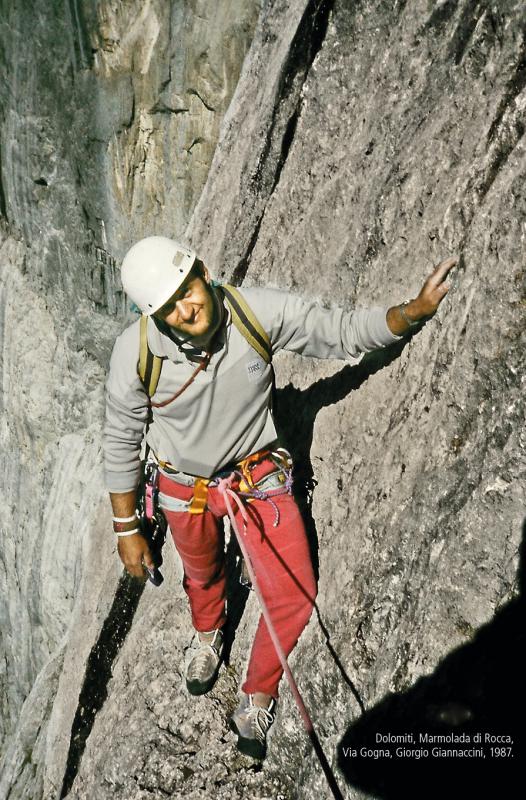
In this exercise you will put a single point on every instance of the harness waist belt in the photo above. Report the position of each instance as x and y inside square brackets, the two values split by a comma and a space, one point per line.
[189, 480]
[267, 483]
[170, 503]
[175, 475]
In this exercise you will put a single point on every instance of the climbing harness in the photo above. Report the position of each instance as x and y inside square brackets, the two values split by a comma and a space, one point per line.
[272, 484]
[277, 481]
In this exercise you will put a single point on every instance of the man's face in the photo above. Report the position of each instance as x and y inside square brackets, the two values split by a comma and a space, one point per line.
[191, 310]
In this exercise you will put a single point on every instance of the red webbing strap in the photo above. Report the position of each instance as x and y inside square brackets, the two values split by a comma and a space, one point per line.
[203, 365]
[225, 490]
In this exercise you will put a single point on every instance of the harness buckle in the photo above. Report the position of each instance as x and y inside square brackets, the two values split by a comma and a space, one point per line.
[200, 498]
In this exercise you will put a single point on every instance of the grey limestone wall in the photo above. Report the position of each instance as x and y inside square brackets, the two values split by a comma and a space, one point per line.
[109, 115]
[364, 143]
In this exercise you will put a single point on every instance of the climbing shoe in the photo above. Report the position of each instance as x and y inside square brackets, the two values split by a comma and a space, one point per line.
[203, 668]
[251, 723]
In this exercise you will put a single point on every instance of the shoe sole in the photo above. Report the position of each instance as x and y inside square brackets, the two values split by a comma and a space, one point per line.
[249, 747]
[197, 688]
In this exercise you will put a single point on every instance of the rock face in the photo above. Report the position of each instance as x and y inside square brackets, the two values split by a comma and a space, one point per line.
[364, 143]
[110, 113]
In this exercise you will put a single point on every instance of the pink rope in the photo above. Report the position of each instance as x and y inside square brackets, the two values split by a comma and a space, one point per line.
[225, 488]
[224, 485]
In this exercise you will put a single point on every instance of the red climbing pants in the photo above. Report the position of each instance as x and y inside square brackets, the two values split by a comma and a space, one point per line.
[281, 560]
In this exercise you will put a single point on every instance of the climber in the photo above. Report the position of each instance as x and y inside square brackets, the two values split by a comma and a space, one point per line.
[209, 422]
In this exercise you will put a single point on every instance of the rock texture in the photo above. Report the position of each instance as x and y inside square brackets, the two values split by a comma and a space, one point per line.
[109, 116]
[403, 144]
[364, 143]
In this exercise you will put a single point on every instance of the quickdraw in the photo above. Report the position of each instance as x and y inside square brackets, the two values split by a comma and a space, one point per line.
[242, 472]
[152, 522]
[252, 491]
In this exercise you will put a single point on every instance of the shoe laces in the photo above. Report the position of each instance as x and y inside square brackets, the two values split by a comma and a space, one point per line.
[200, 664]
[261, 718]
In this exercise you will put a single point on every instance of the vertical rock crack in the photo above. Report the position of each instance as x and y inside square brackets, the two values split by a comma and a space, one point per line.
[308, 39]
[99, 671]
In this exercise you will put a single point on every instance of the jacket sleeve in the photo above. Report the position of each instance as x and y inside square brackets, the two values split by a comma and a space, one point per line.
[126, 413]
[305, 327]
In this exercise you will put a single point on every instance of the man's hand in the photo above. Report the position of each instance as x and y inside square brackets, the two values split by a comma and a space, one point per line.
[435, 288]
[432, 292]
[134, 551]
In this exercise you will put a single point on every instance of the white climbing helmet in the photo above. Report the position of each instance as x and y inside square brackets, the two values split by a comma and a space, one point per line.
[153, 270]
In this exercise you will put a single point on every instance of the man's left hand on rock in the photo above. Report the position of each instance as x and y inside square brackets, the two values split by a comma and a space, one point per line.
[433, 291]
[435, 288]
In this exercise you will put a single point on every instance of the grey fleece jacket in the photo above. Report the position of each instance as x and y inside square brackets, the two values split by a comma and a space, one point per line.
[224, 415]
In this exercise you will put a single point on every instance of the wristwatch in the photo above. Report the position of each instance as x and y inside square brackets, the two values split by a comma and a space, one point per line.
[411, 322]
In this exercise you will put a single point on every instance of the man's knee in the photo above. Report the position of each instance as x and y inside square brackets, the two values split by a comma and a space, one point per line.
[205, 579]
